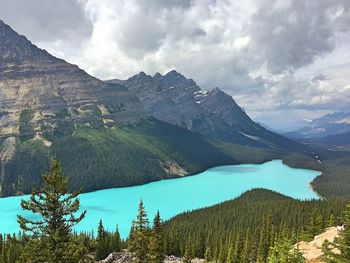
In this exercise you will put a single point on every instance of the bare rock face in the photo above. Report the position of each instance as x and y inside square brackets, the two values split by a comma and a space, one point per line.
[168, 98]
[175, 99]
[37, 89]
[126, 257]
[312, 251]
[118, 257]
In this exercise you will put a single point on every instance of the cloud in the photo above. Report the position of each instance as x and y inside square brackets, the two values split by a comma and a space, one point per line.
[47, 20]
[271, 55]
[293, 34]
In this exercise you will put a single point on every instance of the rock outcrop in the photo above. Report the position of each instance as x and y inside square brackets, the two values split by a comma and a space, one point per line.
[126, 257]
[312, 250]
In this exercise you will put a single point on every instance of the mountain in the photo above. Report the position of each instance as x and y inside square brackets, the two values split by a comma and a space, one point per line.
[337, 142]
[330, 124]
[99, 131]
[180, 101]
[37, 90]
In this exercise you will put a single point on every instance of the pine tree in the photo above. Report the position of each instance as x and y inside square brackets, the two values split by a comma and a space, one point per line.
[342, 244]
[265, 233]
[314, 225]
[51, 235]
[139, 236]
[208, 255]
[230, 256]
[188, 252]
[131, 238]
[245, 256]
[156, 242]
[331, 221]
[236, 249]
[3, 251]
[101, 242]
[115, 242]
[222, 253]
[173, 242]
[1, 247]
[284, 251]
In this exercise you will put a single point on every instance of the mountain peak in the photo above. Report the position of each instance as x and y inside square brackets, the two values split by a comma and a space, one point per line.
[15, 48]
[216, 90]
[157, 76]
[142, 74]
[173, 73]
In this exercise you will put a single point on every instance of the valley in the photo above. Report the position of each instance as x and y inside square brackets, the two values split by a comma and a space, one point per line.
[219, 185]
[205, 189]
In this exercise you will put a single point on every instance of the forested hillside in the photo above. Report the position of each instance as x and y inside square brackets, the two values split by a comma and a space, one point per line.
[334, 182]
[100, 158]
[248, 226]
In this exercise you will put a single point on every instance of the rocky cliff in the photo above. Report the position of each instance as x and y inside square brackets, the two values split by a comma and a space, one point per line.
[312, 250]
[37, 89]
[175, 99]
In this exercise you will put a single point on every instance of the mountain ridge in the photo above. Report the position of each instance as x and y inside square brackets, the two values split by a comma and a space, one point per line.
[180, 101]
[329, 124]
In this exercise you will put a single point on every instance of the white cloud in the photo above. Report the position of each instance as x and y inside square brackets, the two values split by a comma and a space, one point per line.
[287, 56]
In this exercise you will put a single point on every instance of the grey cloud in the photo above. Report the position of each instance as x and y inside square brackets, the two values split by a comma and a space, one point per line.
[139, 38]
[198, 32]
[47, 20]
[320, 77]
[168, 4]
[294, 36]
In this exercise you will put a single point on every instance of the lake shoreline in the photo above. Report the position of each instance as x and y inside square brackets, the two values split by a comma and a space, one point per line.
[172, 197]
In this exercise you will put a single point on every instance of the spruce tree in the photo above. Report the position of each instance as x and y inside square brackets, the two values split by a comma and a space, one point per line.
[115, 242]
[236, 249]
[173, 242]
[222, 253]
[284, 251]
[139, 236]
[314, 226]
[331, 221]
[208, 256]
[101, 242]
[230, 256]
[156, 242]
[50, 236]
[188, 252]
[245, 255]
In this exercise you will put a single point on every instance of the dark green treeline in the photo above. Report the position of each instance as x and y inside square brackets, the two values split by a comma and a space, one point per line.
[244, 229]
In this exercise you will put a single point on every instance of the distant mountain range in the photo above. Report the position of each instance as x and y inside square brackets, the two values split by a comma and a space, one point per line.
[330, 124]
[114, 133]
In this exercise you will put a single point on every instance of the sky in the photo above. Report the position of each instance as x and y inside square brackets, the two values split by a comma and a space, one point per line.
[283, 61]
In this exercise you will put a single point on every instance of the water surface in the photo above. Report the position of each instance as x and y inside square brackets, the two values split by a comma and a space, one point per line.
[171, 197]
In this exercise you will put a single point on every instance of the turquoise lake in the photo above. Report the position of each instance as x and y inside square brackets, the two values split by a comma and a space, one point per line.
[171, 197]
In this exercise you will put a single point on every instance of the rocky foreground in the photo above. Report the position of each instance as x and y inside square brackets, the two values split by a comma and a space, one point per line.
[312, 250]
[126, 257]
